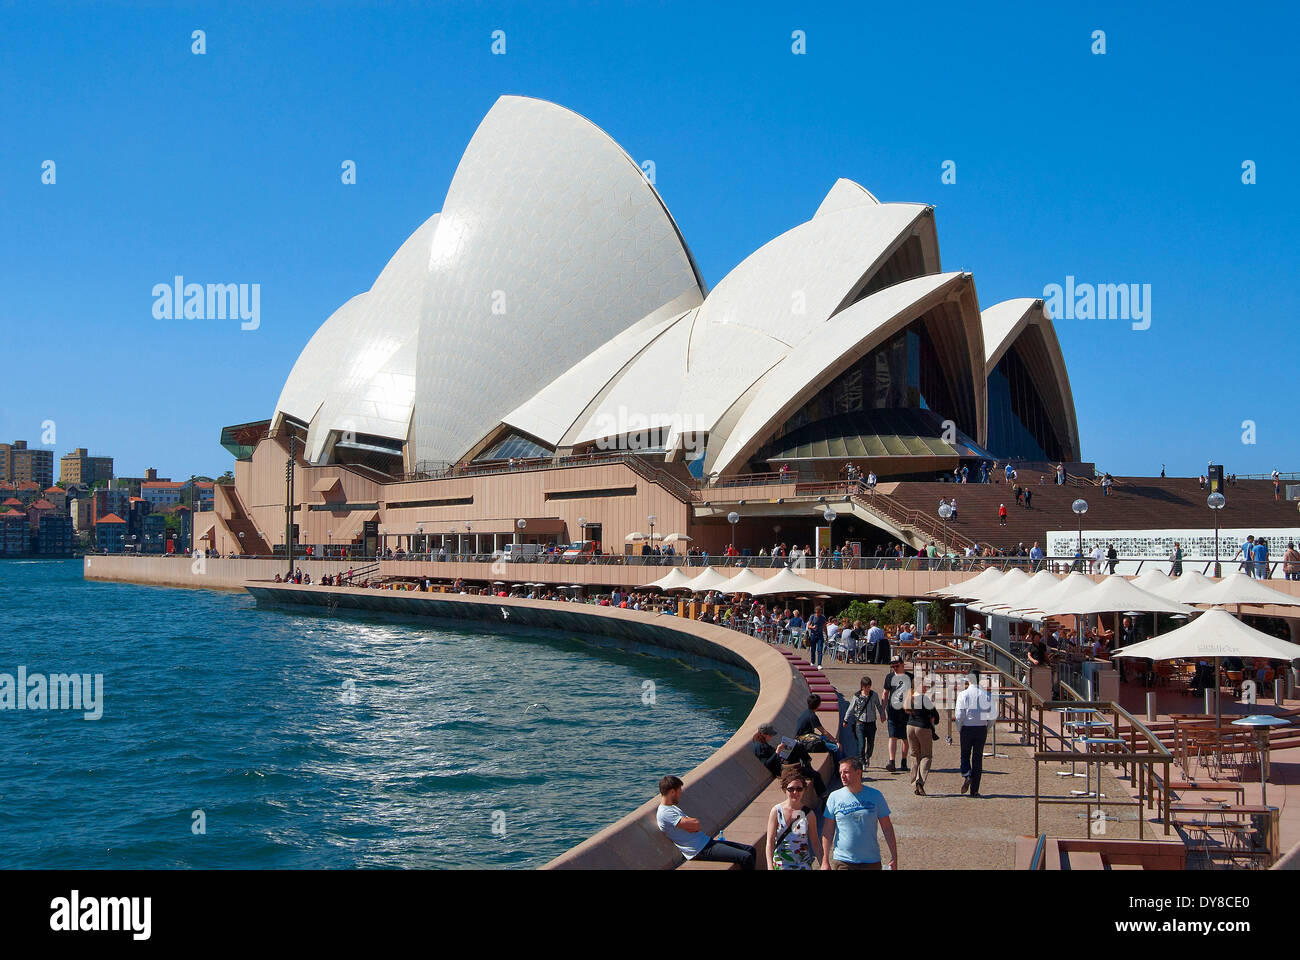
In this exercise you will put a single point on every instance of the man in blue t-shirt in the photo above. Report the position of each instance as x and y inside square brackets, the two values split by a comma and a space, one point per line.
[852, 815]
[686, 834]
[1261, 558]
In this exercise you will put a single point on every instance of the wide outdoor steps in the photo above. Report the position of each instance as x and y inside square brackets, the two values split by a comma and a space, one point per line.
[1136, 503]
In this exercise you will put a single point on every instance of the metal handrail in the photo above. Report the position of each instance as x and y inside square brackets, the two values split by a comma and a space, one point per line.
[1040, 853]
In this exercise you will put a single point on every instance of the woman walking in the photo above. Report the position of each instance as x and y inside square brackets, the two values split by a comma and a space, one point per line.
[863, 711]
[792, 829]
[921, 720]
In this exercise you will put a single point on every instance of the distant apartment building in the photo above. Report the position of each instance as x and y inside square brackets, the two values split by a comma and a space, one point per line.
[57, 496]
[105, 501]
[154, 527]
[80, 467]
[205, 490]
[15, 534]
[18, 463]
[166, 493]
[110, 534]
[37, 509]
[163, 493]
[133, 485]
[54, 535]
[24, 491]
[81, 512]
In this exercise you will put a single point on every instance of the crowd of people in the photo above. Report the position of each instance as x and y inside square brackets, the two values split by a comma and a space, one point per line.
[814, 827]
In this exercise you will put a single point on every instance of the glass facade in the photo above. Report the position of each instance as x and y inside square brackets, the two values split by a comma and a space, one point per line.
[903, 373]
[515, 445]
[1019, 426]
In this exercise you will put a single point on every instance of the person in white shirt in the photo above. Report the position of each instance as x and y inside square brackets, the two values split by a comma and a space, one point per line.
[876, 643]
[973, 714]
[1098, 554]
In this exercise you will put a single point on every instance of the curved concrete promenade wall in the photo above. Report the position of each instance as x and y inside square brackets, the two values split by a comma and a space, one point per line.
[212, 573]
[716, 790]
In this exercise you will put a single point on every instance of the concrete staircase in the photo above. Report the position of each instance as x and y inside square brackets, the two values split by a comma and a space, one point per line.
[1135, 503]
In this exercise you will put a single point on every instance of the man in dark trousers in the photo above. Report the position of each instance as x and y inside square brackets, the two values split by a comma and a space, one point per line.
[973, 714]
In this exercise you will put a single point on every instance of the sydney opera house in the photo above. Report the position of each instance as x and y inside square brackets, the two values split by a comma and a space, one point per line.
[541, 361]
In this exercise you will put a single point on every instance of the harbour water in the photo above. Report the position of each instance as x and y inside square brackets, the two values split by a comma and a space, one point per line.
[238, 737]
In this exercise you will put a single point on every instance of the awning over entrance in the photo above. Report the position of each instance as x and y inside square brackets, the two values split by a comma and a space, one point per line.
[354, 526]
[872, 434]
[537, 526]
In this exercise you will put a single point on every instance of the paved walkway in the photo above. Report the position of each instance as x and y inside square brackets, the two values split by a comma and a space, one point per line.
[946, 830]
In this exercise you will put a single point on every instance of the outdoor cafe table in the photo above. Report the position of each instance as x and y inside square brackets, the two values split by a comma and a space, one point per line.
[1096, 758]
[1233, 830]
[1072, 711]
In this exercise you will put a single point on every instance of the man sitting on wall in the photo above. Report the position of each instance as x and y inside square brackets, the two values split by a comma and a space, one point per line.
[685, 831]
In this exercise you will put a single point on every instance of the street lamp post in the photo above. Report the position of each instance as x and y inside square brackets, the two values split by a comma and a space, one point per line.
[288, 503]
[733, 518]
[829, 516]
[1080, 507]
[1215, 502]
[945, 513]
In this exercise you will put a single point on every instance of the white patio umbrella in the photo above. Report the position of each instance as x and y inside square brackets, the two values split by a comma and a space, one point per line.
[710, 579]
[1011, 580]
[977, 582]
[1240, 589]
[1153, 581]
[1064, 590]
[747, 581]
[1002, 602]
[673, 580]
[1113, 594]
[1191, 587]
[677, 538]
[787, 581]
[1215, 633]
[636, 536]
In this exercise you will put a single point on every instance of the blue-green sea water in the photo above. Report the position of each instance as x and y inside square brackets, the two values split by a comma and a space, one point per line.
[310, 741]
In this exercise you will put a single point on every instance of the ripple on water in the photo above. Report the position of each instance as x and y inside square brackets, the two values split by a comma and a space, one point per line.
[306, 741]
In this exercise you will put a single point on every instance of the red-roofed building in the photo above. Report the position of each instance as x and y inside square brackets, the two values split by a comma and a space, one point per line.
[15, 534]
[57, 496]
[38, 509]
[110, 534]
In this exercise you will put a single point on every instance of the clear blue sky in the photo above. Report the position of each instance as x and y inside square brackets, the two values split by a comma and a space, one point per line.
[225, 168]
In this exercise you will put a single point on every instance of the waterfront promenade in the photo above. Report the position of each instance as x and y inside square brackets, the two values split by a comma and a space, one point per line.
[944, 829]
